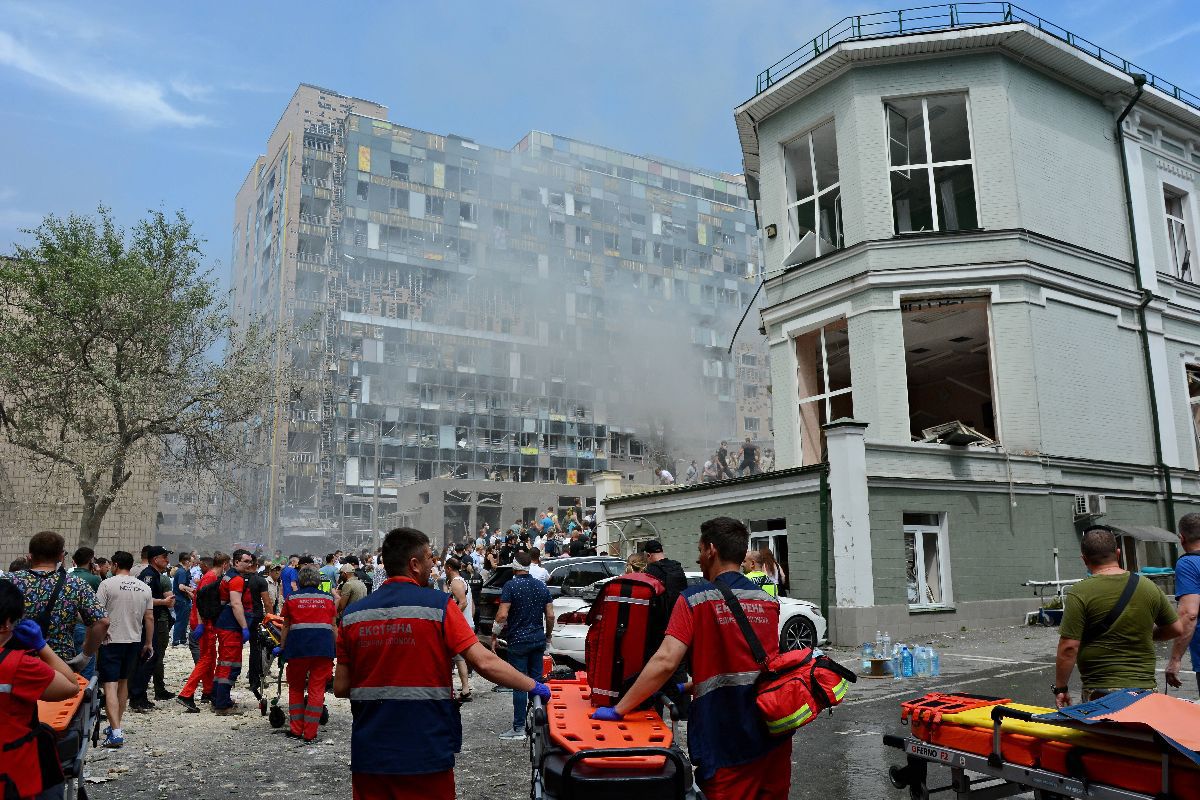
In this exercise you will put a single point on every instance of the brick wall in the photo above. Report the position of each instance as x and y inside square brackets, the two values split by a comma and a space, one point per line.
[31, 501]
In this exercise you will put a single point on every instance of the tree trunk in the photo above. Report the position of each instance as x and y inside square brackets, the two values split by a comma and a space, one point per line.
[89, 526]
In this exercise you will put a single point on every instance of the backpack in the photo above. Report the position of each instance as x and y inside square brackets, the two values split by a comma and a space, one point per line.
[550, 548]
[794, 687]
[626, 625]
[208, 601]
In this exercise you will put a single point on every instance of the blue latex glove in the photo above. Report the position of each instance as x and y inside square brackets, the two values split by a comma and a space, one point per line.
[245, 635]
[542, 691]
[28, 634]
[275, 651]
[607, 714]
[681, 688]
[197, 632]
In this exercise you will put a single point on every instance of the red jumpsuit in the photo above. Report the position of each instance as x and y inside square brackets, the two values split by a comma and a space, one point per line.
[309, 649]
[229, 638]
[202, 672]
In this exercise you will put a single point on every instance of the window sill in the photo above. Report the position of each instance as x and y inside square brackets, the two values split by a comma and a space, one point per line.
[932, 609]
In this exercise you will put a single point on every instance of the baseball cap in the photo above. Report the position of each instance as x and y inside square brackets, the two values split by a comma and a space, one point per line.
[347, 568]
[157, 550]
[653, 546]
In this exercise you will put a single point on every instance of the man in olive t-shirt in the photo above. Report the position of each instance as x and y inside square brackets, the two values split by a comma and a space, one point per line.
[1122, 657]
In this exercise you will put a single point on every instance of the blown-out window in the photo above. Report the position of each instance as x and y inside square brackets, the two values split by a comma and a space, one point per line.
[932, 169]
[814, 200]
[1177, 235]
[823, 378]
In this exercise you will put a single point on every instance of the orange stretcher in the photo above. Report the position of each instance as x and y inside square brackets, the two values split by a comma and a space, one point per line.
[575, 756]
[76, 723]
[1003, 741]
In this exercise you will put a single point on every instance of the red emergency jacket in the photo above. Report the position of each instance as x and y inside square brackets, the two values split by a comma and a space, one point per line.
[309, 614]
[233, 583]
[21, 767]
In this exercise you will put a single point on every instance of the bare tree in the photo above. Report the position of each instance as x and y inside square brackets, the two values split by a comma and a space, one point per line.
[111, 356]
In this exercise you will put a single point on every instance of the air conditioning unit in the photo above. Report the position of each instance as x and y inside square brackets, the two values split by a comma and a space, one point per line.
[1090, 505]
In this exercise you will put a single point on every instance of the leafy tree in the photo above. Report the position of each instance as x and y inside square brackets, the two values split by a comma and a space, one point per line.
[107, 343]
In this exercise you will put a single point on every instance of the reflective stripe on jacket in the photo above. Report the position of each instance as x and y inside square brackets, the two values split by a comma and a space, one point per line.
[310, 616]
[724, 728]
[405, 720]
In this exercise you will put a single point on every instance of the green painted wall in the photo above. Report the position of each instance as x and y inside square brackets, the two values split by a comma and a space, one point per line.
[994, 547]
[679, 532]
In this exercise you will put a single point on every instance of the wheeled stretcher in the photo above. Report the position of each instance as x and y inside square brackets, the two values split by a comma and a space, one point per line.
[574, 757]
[995, 748]
[76, 724]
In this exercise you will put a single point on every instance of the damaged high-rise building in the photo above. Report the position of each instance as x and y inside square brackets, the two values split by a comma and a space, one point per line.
[522, 316]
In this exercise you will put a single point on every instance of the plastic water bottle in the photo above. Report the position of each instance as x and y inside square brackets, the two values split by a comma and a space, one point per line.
[935, 662]
[868, 652]
[897, 665]
[885, 647]
[906, 661]
[922, 660]
[878, 642]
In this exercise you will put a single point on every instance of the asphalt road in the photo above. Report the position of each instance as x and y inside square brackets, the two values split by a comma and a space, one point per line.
[840, 756]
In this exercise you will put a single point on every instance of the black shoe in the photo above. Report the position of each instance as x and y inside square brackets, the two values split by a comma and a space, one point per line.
[141, 706]
[205, 698]
[189, 704]
[163, 694]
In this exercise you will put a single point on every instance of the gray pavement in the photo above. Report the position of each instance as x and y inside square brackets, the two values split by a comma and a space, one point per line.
[169, 754]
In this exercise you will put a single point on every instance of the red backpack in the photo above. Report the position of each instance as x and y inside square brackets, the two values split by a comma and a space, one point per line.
[626, 626]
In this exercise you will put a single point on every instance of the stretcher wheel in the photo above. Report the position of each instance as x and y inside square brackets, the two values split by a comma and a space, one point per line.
[897, 777]
[276, 717]
[324, 715]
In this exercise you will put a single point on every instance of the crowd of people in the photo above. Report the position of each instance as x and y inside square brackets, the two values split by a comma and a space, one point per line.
[390, 630]
[749, 459]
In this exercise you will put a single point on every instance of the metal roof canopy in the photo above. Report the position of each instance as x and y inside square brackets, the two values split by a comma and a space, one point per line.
[1148, 533]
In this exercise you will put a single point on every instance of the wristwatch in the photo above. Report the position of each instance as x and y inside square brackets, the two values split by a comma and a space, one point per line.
[1058, 689]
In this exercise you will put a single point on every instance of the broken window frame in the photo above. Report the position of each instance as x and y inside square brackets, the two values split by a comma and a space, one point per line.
[928, 165]
[1177, 232]
[917, 578]
[792, 204]
[826, 395]
[948, 300]
[1191, 376]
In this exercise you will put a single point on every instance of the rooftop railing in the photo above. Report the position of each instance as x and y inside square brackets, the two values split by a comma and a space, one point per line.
[953, 16]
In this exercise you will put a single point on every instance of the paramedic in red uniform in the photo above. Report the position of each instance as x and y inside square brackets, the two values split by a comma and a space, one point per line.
[394, 661]
[233, 630]
[205, 636]
[29, 671]
[734, 756]
[307, 647]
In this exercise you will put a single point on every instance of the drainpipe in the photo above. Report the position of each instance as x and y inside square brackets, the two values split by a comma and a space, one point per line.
[823, 494]
[1139, 81]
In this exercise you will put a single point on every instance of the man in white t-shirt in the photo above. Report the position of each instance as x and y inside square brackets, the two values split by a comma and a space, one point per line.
[535, 566]
[130, 607]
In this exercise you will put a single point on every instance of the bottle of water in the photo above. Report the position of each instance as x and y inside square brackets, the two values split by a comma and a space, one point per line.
[923, 666]
[906, 661]
[885, 647]
[935, 662]
[868, 652]
[878, 642]
[897, 665]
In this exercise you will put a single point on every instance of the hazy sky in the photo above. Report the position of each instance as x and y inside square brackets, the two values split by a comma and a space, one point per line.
[164, 105]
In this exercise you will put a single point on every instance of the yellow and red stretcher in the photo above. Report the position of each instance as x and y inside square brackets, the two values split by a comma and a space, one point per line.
[995, 747]
[574, 756]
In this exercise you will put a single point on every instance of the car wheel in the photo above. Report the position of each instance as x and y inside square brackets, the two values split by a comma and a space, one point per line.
[797, 634]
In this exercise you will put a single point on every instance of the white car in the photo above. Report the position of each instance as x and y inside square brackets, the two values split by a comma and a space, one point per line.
[800, 622]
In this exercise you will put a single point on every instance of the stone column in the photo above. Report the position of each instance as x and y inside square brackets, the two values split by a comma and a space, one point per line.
[607, 483]
[850, 516]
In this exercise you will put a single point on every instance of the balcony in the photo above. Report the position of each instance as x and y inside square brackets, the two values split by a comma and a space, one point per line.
[952, 16]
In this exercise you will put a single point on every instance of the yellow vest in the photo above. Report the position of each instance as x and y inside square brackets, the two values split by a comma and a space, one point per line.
[765, 583]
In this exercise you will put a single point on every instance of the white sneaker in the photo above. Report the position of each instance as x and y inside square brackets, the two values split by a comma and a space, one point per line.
[513, 735]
